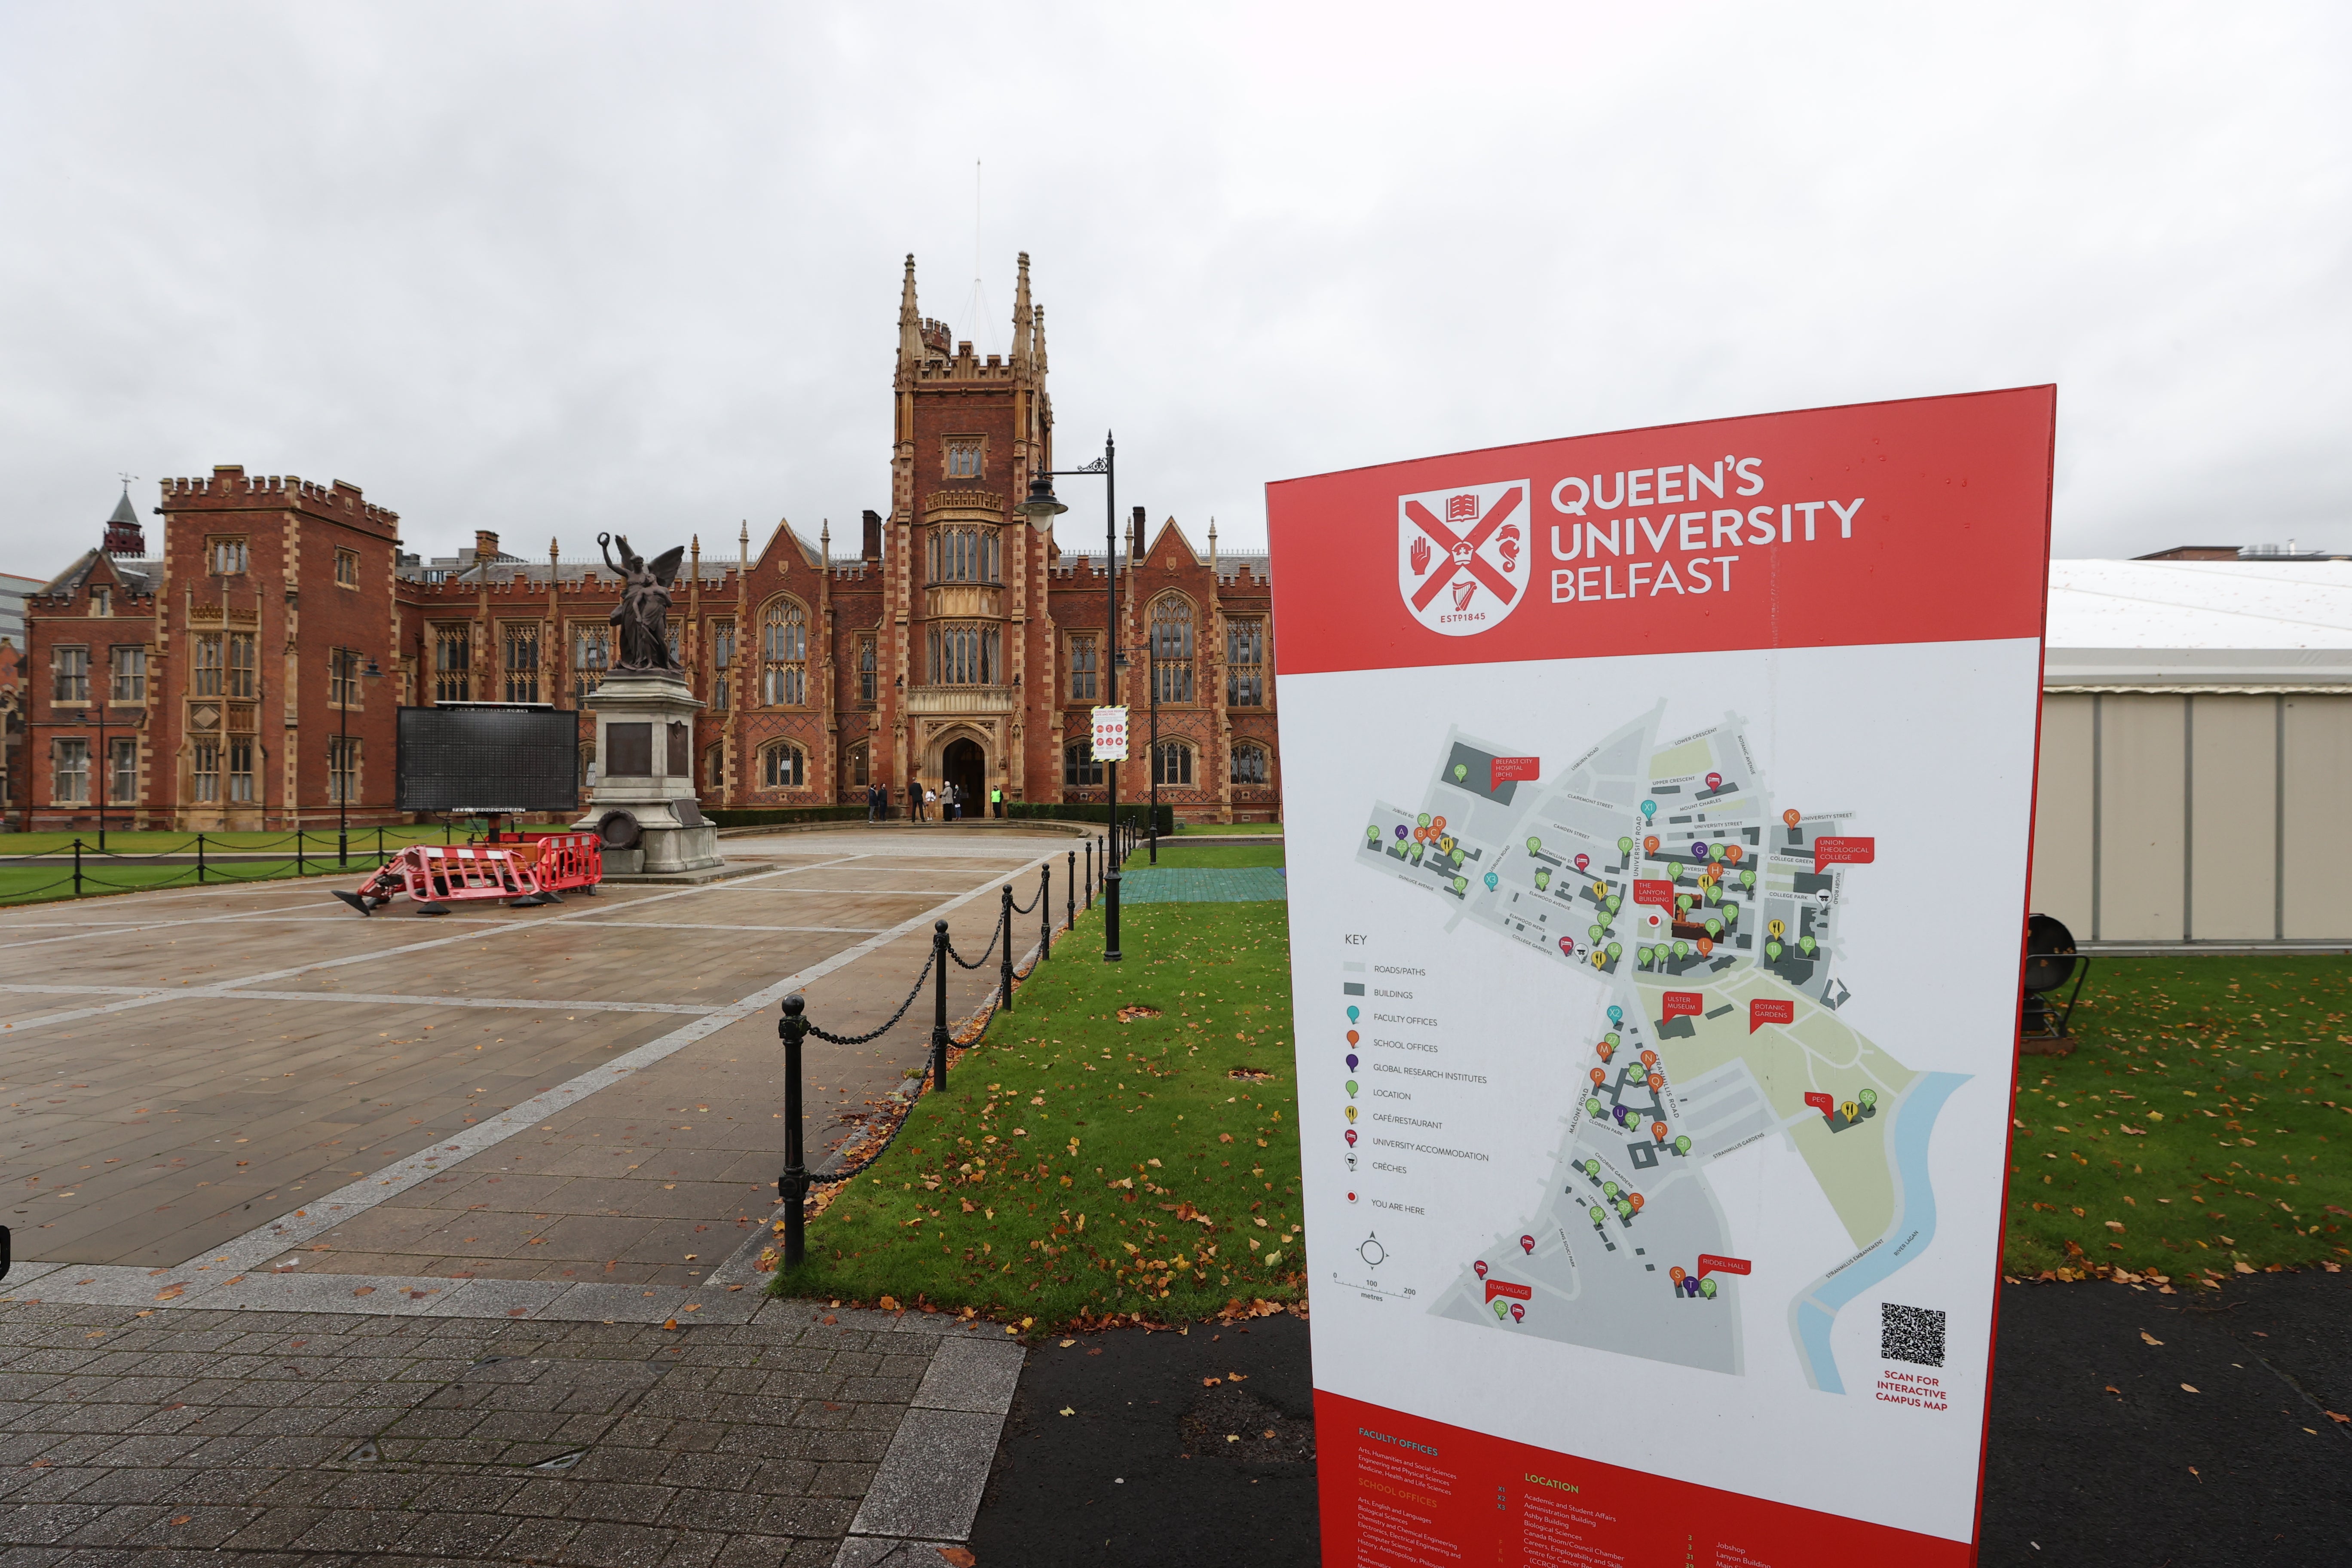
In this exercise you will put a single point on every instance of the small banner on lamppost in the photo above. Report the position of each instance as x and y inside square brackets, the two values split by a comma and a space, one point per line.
[1110, 734]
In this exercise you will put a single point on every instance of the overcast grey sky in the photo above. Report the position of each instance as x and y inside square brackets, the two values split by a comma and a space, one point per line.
[552, 269]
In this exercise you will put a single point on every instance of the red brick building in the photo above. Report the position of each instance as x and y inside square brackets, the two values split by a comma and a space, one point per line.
[248, 671]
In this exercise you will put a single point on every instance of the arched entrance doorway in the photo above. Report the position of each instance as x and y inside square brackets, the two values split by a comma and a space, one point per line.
[963, 765]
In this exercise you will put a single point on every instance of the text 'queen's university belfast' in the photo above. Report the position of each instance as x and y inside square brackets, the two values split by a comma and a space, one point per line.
[249, 669]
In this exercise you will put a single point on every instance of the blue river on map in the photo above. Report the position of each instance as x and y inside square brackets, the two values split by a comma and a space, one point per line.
[1816, 1311]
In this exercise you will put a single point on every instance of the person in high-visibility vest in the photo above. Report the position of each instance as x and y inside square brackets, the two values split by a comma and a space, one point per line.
[996, 799]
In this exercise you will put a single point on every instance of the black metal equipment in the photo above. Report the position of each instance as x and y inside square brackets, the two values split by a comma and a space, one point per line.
[2051, 962]
[488, 756]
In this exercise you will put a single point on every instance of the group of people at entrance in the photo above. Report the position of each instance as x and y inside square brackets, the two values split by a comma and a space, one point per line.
[947, 803]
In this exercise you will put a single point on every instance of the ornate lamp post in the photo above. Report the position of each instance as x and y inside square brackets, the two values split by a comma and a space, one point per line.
[1041, 508]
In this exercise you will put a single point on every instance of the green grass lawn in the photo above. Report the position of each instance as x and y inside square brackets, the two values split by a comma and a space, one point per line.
[1222, 856]
[2202, 1124]
[1084, 1164]
[121, 841]
[1221, 827]
[49, 880]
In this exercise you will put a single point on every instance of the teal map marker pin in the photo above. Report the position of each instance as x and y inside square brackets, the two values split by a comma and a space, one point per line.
[1616, 1013]
[1354, 1013]
[1491, 880]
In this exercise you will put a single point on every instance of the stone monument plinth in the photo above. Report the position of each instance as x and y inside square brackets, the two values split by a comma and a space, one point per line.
[644, 766]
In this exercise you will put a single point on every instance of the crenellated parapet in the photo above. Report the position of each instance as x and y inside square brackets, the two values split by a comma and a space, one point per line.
[231, 488]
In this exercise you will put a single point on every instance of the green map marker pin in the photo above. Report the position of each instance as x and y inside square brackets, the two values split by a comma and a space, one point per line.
[1598, 1213]
[1372, 833]
[1624, 847]
[1502, 1308]
[1642, 956]
[1715, 851]
[1610, 1037]
[1594, 931]
[1352, 1088]
[1460, 883]
[1772, 950]
[1461, 772]
[1707, 1289]
[1747, 878]
[1535, 845]
[1682, 950]
[1543, 879]
[1610, 1188]
[1867, 1098]
[1714, 926]
[1421, 821]
[1682, 1144]
[1593, 1167]
[1808, 943]
[1614, 949]
[1614, 901]
[1593, 1108]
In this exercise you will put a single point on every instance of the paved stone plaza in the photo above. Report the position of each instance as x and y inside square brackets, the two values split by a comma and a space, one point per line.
[305, 1174]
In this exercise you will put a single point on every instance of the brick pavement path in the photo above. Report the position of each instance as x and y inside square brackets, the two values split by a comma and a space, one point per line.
[794, 1436]
[249, 1108]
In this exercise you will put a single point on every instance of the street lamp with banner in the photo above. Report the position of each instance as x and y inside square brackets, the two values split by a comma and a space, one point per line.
[1041, 508]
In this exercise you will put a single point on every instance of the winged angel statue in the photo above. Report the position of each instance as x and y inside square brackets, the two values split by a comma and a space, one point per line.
[643, 614]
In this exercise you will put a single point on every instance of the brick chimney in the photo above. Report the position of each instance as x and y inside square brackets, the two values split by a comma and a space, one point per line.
[872, 550]
[485, 544]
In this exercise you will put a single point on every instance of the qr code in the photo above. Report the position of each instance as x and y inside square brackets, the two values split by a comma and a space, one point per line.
[1915, 1334]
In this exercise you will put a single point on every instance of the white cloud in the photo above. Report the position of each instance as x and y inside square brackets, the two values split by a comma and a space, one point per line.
[552, 269]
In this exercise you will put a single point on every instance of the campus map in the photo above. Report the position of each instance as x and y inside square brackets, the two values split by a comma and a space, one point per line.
[1707, 913]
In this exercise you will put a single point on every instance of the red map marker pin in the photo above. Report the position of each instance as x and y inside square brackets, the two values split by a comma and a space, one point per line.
[1715, 781]
[1481, 1266]
[1517, 1312]
[1582, 862]
[1527, 1244]
[1352, 1137]
[1567, 945]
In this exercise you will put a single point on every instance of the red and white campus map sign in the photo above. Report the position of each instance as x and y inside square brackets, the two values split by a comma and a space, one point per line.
[1655, 964]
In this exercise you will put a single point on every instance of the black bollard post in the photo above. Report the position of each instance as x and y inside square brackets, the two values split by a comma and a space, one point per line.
[1111, 954]
[791, 1187]
[76, 868]
[1090, 873]
[200, 859]
[1004, 961]
[1045, 911]
[300, 871]
[1070, 893]
[939, 1005]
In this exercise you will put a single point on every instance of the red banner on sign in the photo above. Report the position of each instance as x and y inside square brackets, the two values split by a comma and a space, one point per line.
[1818, 512]
[1843, 852]
[1514, 770]
[1684, 1003]
[1708, 1263]
[1400, 1488]
[1504, 1287]
[1661, 893]
[1825, 1103]
[1761, 1012]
